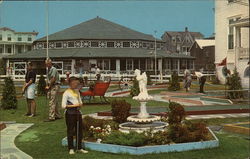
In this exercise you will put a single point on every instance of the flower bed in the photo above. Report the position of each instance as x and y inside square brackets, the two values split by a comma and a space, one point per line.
[112, 148]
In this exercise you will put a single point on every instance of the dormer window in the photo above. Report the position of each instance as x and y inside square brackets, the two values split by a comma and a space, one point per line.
[19, 38]
[29, 38]
[71, 44]
[94, 44]
[58, 44]
[110, 44]
[126, 44]
[9, 37]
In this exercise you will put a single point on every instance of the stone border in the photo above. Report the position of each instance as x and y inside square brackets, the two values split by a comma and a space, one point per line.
[213, 99]
[111, 148]
[237, 128]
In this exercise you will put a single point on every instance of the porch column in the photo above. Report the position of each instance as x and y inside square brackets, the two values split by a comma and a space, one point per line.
[7, 67]
[178, 66]
[117, 66]
[237, 44]
[73, 63]
[4, 48]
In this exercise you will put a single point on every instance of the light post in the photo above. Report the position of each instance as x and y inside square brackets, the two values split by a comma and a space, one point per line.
[155, 58]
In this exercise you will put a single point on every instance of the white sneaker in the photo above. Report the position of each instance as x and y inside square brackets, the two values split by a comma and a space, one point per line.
[83, 151]
[71, 152]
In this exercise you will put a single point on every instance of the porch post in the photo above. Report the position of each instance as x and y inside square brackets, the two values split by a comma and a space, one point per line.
[4, 48]
[237, 44]
[73, 63]
[178, 66]
[7, 67]
[117, 66]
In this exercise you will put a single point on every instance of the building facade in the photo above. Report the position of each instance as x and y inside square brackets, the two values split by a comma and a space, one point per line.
[232, 38]
[12, 42]
[204, 52]
[180, 42]
[115, 49]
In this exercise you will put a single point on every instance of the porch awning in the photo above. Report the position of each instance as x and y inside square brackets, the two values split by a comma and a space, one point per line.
[95, 53]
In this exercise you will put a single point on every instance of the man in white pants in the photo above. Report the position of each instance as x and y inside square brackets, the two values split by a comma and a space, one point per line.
[29, 91]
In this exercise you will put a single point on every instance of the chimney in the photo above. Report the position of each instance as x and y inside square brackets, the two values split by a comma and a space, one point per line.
[186, 29]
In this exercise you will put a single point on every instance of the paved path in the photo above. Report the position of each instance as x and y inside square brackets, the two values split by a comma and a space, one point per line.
[7, 138]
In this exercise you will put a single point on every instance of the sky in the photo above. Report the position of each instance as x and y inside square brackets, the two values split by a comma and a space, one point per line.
[144, 16]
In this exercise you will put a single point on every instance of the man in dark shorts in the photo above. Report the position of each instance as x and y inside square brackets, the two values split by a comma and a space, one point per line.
[29, 90]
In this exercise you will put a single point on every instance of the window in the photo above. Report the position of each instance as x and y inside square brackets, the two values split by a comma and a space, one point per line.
[158, 46]
[110, 44]
[175, 64]
[106, 64]
[144, 45]
[9, 37]
[230, 35]
[166, 64]
[58, 45]
[9, 49]
[66, 66]
[59, 66]
[173, 39]
[29, 38]
[151, 46]
[29, 48]
[247, 72]
[71, 44]
[126, 44]
[1, 49]
[150, 64]
[19, 38]
[129, 64]
[44, 45]
[230, 1]
[94, 44]
[19, 49]
[1, 37]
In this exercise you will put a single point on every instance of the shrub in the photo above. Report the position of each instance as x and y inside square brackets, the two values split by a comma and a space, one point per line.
[127, 139]
[176, 113]
[134, 91]
[41, 86]
[9, 100]
[234, 83]
[157, 138]
[120, 110]
[149, 78]
[174, 82]
[2, 67]
[215, 80]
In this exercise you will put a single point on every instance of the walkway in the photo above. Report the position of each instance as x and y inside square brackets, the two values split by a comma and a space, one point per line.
[8, 147]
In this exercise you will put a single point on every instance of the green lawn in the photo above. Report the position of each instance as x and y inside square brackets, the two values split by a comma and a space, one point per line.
[43, 140]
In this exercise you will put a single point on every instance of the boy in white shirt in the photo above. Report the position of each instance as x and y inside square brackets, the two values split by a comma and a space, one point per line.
[72, 102]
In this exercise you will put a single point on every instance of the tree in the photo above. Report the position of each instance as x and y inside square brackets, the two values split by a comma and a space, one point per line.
[9, 100]
[134, 91]
[174, 82]
[41, 86]
[234, 83]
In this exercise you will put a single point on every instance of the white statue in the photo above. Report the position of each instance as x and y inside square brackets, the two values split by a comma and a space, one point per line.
[142, 79]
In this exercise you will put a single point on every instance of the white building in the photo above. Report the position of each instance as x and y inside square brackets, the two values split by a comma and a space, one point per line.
[12, 42]
[232, 38]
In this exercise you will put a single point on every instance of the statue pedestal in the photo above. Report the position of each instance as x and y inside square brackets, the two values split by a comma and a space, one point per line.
[143, 111]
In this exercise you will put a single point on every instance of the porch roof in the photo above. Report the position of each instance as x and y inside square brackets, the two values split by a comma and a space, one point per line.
[96, 53]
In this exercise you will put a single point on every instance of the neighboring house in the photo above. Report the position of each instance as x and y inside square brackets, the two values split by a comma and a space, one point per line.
[203, 50]
[180, 42]
[232, 38]
[115, 49]
[12, 42]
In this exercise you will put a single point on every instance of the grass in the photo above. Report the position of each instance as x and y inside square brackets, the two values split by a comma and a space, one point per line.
[43, 140]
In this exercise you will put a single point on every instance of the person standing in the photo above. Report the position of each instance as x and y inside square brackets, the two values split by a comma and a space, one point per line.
[187, 79]
[202, 80]
[53, 89]
[29, 90]
[71, 101]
